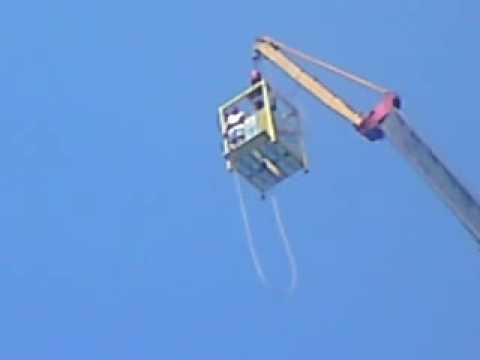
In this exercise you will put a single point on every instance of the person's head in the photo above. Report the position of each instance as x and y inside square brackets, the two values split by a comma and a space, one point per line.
[255, 76]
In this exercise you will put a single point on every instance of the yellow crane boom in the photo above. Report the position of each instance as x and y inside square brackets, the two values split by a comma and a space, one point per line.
[271, 51]
[383, 121]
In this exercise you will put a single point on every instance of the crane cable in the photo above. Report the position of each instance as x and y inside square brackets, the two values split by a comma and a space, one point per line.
[248, 232]
[292, 263]
[327, 66]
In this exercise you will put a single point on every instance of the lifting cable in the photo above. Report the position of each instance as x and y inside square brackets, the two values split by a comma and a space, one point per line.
[248, 231]
[327, 66]
[292, 263]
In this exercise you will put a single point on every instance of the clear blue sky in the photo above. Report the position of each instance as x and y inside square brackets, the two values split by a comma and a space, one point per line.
[120, 234]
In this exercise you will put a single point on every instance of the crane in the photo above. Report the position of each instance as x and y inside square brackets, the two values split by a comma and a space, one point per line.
[385, 120]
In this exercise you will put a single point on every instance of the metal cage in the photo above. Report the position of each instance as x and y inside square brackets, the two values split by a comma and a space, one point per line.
[271, 148]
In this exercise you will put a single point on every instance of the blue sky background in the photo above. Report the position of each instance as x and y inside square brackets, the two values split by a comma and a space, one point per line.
[120, 233]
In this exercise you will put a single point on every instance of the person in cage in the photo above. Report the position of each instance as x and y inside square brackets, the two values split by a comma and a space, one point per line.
[235, 127]
[257, 97]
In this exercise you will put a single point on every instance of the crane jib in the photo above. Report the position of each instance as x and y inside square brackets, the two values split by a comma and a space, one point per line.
[458, 198]
[384, 120]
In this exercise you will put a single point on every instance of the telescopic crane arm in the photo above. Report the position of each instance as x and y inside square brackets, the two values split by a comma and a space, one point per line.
[383, 120]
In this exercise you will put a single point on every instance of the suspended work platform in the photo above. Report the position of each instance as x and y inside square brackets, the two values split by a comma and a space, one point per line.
[262, 136]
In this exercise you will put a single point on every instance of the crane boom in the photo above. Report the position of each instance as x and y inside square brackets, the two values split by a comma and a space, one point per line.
[383, 120]
[269, 50]
[457, 197]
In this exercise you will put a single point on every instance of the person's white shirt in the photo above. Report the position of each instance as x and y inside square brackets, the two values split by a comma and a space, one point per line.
[235, 126]
[234, 119]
